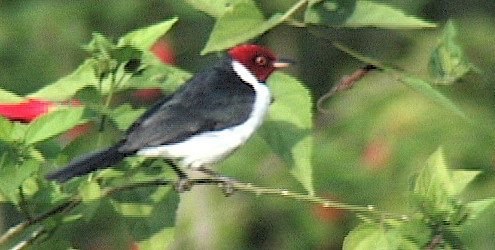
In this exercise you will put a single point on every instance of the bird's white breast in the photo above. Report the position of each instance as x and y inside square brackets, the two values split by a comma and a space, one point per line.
[210, 147]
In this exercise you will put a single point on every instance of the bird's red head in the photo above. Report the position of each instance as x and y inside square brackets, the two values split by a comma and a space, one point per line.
[260, 61]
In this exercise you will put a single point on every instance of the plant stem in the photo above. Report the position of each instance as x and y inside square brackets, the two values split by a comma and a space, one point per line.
[2, 159]
[294, 9]
[239, 186]
[19, 228]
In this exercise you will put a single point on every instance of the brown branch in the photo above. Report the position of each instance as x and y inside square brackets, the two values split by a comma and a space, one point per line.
[30, 240]
[435, 242]
[76, 200]
[15, 230]
[345, 83]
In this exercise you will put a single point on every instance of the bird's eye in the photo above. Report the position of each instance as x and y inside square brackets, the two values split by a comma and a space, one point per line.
[261, 61]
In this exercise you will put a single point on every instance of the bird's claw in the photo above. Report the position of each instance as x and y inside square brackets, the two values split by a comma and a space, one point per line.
[183, 185]
[227, 185]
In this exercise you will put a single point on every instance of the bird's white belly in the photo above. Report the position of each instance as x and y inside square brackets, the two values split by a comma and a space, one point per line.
[202, 149]
[210, 147]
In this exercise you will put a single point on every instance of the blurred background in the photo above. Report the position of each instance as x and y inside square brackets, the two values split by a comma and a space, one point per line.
[374, 138]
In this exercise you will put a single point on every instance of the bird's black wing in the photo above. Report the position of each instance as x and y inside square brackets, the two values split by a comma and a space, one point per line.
[212, 100]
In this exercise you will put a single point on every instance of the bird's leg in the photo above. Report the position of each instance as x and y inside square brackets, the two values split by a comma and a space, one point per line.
[183, 184]
[227, 183]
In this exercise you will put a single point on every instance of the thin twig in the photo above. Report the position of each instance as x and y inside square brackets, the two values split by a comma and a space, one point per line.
[435, 242]
[30, 240]
[294, 9]
[345, 83]
[76, 200]
[15, 230]
[240, 186]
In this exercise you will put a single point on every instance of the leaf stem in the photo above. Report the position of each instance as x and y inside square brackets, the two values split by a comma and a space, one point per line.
[294, 9]
[2, 159]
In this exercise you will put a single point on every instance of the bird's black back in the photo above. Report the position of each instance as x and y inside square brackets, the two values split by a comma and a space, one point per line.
[214, 99]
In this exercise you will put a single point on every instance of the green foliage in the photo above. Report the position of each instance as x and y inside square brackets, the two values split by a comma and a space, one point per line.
[288, 130]
[6, 128]
[16, 174]
[368, 13]
[120, 203]
[436, 187]
[240, 21]
[436, 96]
[125, 115]
[346, 13]
[415, 83]
[106, 72]
[53, 124]
[378, 236]
[448, 63]
[237, 24]
[214, 8]
[143, 39]
[9, 97]
[68, 86]
[438, 214]
[329, 12]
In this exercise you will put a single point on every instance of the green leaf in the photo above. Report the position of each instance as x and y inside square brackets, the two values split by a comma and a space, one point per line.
[448, 63]
[415, 229]
[91, 196]
[99, 45]
[66, 87]
[475, 208]
[214, 8]
[157, 75]
[9, 97]
[461, 178]
[150, 215]
[90, 191]
[288, 130]
[329, 12]
[53, 124]
[102, 52]
[115, 80]
[125, 115]
[434, 184]
[135, 209]
[164, 237]
[5, 129]
[382, 15]
[12, 177]
[11, 131]
[144, 38]
[436, 96]
[376, 236]
[239, 23]
[18, 132]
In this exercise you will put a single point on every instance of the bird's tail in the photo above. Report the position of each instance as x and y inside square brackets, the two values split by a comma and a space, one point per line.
[88, 163]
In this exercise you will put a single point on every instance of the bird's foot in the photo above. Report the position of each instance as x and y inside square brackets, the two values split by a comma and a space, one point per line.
[183, 185]
[227, 185]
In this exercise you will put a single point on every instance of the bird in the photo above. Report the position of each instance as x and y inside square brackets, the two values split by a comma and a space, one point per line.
[200, 124]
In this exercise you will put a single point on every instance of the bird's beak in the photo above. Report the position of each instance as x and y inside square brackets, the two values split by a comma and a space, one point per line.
[282, 63]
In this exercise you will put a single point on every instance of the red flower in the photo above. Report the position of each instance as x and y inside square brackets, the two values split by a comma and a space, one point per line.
[26, 111]
[377, 153]
[77, 131]
[164, 52]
